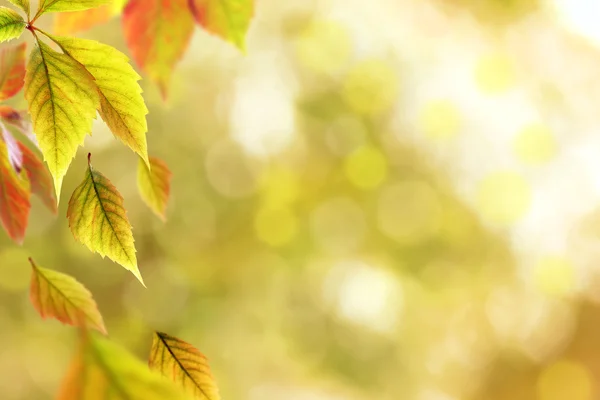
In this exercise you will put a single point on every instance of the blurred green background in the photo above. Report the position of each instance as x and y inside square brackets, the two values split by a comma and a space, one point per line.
[390, 199]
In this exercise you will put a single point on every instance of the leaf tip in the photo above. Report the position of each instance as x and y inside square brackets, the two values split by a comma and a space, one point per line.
[89, 158]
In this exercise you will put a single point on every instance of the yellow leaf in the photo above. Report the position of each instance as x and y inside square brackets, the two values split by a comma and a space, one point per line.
[11, 24]
[103, 370]
[98, 219]
[155, 185]
[67, 5]
[23, 4]
[60, 296]
[229, 19]
[122, 106]
[183, 364]
[63, 99]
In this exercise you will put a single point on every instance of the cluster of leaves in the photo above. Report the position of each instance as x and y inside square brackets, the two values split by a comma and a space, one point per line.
[103, 370]
[68, 81]
[158, 32]
[65, 90]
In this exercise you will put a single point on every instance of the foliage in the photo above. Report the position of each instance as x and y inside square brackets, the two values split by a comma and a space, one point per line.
[68, 81]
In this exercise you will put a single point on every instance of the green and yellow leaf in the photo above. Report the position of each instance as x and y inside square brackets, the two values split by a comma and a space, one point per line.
[46, 6]
[12, 24]
[14, 195]
[60, 296]
[23, 4]
[98, 219]
[12, 70]
[122, 106]
[102, 370]
[63, 99]
[157, 33]
[183, 364]
[228, 19]
[39, 178]
[155, 185]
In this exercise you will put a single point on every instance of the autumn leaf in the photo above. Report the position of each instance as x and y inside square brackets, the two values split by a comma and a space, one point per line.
[67, 5]
[228, 19]
[15, 155]
[157, 33]
[23, 4]
[39, 178]
[102, 370]
[183, 364]
[122, 106]
[14, 196]
[12, 70]
[17, 119]
[63, 99]
[60, 296]
[69, 23]
[98, 219]
[11, 24]
[154, 185]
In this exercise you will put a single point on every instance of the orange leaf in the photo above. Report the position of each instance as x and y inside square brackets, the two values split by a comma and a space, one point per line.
[60, 296]
[157, 33]
[68, 23]
[12, 70]
[14, 195]
[183, 364]
[39, 177]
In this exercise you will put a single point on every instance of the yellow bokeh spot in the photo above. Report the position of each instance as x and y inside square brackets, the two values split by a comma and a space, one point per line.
[371, 87]
[439, 119]
[280, 187]
[409, 212]
[554, 276]
[565, 379]
[276, 226]
[535, 144]
[15, 270]
[494, 73]
[323, 47]
[366, 167]
[503, 197]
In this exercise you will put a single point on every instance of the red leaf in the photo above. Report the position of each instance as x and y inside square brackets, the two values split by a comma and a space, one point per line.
[39, 177]
[157, 33]
[14, 197]
[12, 70]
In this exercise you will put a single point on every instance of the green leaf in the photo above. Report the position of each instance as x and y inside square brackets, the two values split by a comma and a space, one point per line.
[183, 364]
[23, 4]
[155, 185]
[228, 19]
[63, 99]
[122, 106]
[67, 5]
[98, 219]
[102, 370]
[14, 194]
[11, 24]
[60, 296]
